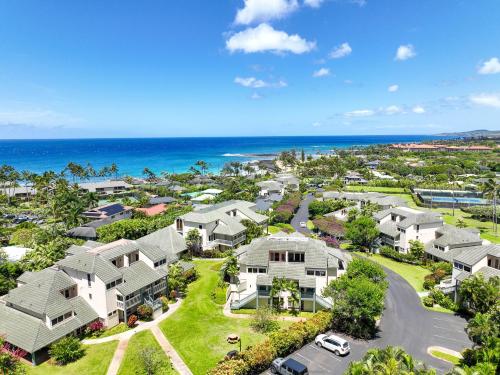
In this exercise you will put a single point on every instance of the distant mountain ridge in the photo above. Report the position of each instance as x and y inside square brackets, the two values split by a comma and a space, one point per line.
[481, 133]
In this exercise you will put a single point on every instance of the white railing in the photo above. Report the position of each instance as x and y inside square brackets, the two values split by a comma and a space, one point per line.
[160, 287]
[242, 286]
[133, 301]
[120, 305]
[236, 305]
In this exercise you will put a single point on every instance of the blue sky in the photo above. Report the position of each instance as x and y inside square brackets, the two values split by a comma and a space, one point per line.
[124, 68]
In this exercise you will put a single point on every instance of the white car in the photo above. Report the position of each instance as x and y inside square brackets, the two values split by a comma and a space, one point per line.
[333, 343]
[303, 224]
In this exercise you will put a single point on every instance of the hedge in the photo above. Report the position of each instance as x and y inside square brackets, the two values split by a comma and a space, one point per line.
[258, 358]
[388, 252]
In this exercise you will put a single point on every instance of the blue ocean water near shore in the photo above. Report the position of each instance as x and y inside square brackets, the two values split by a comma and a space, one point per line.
[170, 154]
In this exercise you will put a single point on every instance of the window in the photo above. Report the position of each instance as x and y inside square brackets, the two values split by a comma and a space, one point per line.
[296, 257]
[200, 226]
[262, 270]
[255, 270]
[119, 297]
[467, 269]
[88, 279]
[277, 257]
[90, 296]
[66, 293]
[315, 273]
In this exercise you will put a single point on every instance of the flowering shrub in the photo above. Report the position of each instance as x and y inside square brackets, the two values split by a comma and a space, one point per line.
[281, 343]
[330, 226]
[164, 303]
[285, 209]
[94, 329]
[331, 241]
[145, 312]
[132, 320]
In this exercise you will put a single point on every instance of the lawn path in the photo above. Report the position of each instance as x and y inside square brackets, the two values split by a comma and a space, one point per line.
[118, 356]
[169, 350]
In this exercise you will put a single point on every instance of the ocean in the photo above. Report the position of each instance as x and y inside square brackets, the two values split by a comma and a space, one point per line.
[173, 155]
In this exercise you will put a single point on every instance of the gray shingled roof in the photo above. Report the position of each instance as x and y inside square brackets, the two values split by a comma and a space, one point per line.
[31, 334]
[446, 256]
[410, 216]
[475, 253]
[168, 240]
[317, 254]
[450, 235]
[219, 212]
[138, 275]
[91, 263]
[41, 293]
[390, 228]
[378, 198]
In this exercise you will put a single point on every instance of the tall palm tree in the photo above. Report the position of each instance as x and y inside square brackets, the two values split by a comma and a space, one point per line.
[203, 166]
[113, 169]
[491, 190]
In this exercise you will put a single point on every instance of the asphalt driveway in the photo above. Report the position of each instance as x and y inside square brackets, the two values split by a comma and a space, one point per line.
[302, 214]
[406, 323]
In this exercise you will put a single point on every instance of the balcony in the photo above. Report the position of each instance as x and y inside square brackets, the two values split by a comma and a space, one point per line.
[306, 295]
[133, 301]
[159, 287]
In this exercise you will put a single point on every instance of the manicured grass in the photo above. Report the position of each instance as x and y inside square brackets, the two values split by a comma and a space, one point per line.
[445, 356]
[198, 329]
[119, 328]
[413, 274]
[301, 314]
[310, 225]
[131, 364]
[378, 189]
[438, 309]
[278, 227]
[95, 362]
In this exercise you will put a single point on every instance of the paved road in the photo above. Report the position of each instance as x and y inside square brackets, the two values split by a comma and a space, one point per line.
[405, 323]
[302, 214]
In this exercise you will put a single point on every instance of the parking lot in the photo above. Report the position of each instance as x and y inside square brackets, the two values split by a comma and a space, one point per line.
[405, 323]
[321, 361]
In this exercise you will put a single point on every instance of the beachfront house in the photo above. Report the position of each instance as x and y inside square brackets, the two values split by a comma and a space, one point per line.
[219, 225]
[400, 225]
[105, 187]
[306, 261]
[19, 192]
[105, 282]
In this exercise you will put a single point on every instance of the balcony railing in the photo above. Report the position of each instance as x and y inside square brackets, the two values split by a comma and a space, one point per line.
[159, 287]
[133, 301]
[307, 295]
[120, 305]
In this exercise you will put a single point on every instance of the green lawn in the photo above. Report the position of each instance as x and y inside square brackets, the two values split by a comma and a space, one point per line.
[278, 227]
[131, 364]
[413, 274]
[198, 329]
[119, 328]
[445, 356]
[310, 225]
[95, 362]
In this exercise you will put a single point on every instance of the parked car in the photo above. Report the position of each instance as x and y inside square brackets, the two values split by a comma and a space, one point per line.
[288, 367]
[303, 224]
[333, 343]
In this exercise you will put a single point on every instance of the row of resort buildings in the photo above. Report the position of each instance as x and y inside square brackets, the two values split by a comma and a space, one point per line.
[423, 147]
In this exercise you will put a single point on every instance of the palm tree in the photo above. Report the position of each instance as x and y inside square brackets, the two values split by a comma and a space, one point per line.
[490, 189]
[229, 269]
[203, 166]
[113, 169]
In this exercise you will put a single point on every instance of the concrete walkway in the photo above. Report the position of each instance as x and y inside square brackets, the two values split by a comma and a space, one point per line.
[177, 361]
[141, 326]
[124, 338]
[227, 312]
[118, 356]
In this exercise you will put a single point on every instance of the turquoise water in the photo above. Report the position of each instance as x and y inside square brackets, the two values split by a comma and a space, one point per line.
[170, 154]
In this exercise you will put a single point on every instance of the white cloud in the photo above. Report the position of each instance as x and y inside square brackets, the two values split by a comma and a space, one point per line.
[264, 38]
[323, 72]
[393, 88]
[405, 52]
[313, 3]
[492, 66]
[316, 124]
[341, 51]
[393, 110]
[250, 82]
[418, 109]
[256, 96]
[360, 113]
[488, 100]
[264, 10]
[255, 83]
[37, 117]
